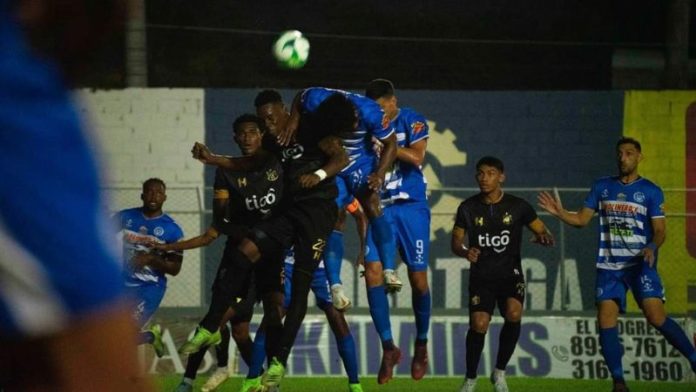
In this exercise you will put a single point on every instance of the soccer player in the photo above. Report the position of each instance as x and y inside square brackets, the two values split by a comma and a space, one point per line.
[406, 207]
[269, 106]
[241, 199]
[488, 232]
[305, 222]
[146, 269]
[364, 178]
[64, 323]
[337, 322]
[631, 230]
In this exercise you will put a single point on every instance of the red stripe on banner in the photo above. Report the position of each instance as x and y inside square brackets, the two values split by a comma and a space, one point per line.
[691, 178]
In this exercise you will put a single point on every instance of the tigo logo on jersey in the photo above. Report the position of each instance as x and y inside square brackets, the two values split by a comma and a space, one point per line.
[498, 242]
[262, 203]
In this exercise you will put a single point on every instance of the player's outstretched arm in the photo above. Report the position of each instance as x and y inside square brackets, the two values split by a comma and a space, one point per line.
[202, 153]
[460, 249]
[553, 205]
[286, 135]
[542, 235]
[338, 159]
[192, 243]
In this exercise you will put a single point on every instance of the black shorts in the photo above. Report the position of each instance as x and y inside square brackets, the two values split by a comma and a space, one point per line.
[304, 225]
[484, 294]
[266, 278]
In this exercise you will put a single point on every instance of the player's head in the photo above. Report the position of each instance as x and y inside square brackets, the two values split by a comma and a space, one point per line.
[153, 196]
[248, 133]
[336, 115]
[270, 107]
[490, 174]
[382, 91]
[628, 155]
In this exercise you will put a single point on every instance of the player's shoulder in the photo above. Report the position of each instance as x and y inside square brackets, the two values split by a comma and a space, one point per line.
[605, 180]
[648, 185]
[130, 212]
[411, 114]
[471, 202]
[166, 219]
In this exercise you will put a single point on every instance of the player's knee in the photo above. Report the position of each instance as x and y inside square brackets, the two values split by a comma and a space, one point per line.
[513, 316]
[373, 274]
[240, 332]
[656, 319]
[479, 324]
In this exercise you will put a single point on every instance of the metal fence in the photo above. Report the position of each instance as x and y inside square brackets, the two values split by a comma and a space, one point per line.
[560, 279]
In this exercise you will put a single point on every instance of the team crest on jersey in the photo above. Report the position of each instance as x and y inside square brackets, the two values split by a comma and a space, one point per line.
[519, 287]
[271, 175]
[159, 230]
[385, 121]
[639, 197]
[478, 221]
[507, 219]
[475, 300]
[621, 197]
[242, 182]
[417, 127]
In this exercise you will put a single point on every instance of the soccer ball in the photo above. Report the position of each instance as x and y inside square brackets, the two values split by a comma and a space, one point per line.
[291, 49]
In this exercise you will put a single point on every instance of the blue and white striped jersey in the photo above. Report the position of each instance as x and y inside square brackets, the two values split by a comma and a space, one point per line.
[406, 181]
[625, 213]
[371, 120]
[138, 230]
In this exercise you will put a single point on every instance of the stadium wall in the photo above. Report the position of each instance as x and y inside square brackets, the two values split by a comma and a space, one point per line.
[563, 139]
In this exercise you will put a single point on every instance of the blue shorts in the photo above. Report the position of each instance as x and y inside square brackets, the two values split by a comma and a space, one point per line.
[344, 197]
[411, 225]
[146, 300]
[355, 177]
[320, 287]
[643, 281]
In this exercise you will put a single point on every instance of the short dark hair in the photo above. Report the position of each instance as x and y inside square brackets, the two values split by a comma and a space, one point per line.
[491, 161]
[335, 115]
[248, 118]
[379, 88]
[628, 140]
[153, 180]
[267, 96]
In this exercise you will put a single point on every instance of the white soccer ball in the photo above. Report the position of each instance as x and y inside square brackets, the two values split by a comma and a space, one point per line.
[291, 49]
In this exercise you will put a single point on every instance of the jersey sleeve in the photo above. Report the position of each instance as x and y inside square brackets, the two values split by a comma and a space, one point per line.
[221, 185]
[374, 119]
[461, 220]
[528, 214]
[417, 128]
[592, 199]
[312, 97]
[656, 203]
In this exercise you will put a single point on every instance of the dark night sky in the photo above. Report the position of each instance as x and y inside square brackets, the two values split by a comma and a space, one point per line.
[493, 44]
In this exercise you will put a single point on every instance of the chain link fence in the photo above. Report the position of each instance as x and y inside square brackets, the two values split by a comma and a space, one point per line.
[559, 279]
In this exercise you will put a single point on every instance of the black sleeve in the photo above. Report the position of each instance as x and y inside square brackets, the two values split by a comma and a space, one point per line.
[527, 213]
[220, 179]
[462, 218]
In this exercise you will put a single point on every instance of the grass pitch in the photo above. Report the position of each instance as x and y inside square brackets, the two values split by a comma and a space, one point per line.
[436, 384]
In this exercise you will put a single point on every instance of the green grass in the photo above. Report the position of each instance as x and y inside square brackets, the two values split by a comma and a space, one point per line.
[332, 384]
